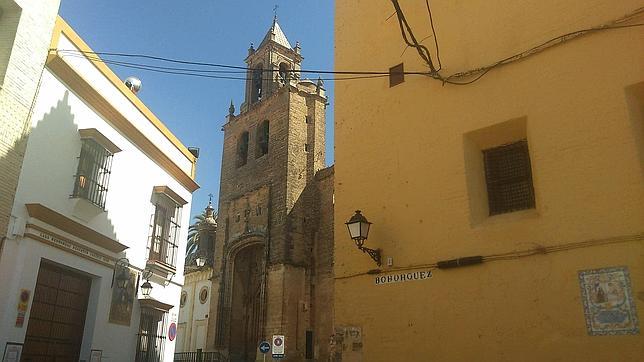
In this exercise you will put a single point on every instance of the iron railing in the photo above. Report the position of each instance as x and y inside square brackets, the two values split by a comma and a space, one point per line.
[199, 356]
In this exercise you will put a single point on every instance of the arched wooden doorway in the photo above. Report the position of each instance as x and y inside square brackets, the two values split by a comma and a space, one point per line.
[247, 303]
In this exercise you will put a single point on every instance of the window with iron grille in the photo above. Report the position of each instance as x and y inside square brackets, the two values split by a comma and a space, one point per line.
[509, 178]
[93, 173]
[164, 231]
[151, 336]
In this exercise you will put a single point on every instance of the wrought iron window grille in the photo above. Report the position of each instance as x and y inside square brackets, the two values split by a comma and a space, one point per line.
[93, 173]
[508, 175]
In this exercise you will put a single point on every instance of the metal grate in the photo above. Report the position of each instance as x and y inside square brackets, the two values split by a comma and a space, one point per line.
[509, 178]
[151, 337]
[93, 173]
[199, 356]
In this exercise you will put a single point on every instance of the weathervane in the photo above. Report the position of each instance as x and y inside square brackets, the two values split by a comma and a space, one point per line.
[210, 198]
[275, 11]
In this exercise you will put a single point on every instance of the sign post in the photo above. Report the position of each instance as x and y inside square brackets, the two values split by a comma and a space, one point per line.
[264, 347]
[278, 346]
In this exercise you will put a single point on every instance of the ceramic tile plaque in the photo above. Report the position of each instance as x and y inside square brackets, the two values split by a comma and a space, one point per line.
[608, 301]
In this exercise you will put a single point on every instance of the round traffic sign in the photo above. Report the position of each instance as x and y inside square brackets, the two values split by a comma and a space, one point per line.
[264, 347]
[278, 341]
[172, 331]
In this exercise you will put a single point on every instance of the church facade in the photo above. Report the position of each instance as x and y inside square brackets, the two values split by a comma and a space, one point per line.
[273, 255]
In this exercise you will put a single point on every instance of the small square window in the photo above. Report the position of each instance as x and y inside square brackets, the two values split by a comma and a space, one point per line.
[508, 176]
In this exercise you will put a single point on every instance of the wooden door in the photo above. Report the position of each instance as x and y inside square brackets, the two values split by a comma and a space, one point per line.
[57, 318]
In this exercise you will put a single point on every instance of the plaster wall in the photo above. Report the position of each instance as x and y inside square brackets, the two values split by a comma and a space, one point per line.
[193, 316]
[412, 177]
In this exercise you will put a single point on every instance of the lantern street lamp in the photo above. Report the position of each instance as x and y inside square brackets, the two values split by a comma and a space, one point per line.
[146, 288]
[122, 278]
[358, 227]
[120, 273]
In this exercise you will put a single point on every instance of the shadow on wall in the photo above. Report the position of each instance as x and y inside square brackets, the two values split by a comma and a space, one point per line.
[54, 149]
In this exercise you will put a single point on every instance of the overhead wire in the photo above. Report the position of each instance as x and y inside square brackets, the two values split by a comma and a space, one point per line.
[431, 22]
[227, 66]
[199, 72]
[478, 73]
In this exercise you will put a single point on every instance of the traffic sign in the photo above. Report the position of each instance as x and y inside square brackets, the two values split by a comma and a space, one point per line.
[264, 347]
[278, 346]
[172, 331]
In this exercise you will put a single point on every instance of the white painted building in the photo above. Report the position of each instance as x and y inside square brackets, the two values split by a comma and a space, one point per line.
[101, 208]
[194, 306]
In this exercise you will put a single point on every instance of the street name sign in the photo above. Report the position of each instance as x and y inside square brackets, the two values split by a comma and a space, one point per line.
[403, 277]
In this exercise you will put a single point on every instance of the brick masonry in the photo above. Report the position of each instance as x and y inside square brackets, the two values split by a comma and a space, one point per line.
[25, 34]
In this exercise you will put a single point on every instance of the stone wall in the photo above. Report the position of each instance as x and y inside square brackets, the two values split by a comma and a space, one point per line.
[284, 200]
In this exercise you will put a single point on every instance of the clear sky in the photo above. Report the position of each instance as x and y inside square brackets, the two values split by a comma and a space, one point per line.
[214, 31]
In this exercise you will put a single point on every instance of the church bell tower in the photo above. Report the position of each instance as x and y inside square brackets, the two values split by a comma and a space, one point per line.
[263, 263]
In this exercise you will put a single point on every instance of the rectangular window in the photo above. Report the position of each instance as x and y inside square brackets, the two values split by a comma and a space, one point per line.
[93, 173]
[306, 147]
[151, 336]
[508, 176]
[164, 232]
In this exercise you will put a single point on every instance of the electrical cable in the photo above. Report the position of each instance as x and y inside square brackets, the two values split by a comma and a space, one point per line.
[512, 255]
[431, 22]
[216, 65]
[478, 73]
[196, 72]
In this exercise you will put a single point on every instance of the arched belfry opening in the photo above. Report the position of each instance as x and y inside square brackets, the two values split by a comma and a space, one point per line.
[284, 73]
[247, 303]
[257, 79]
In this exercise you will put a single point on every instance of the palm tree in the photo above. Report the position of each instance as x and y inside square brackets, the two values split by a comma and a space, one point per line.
[193, 233]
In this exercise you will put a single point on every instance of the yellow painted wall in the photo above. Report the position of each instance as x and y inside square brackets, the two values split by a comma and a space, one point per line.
[404, 155]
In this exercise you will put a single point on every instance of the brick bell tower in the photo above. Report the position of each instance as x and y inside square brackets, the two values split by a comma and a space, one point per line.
[263, 258]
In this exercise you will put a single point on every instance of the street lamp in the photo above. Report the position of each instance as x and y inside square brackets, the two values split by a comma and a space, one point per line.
[121, 274]
[146, 288]
[358, 226]
[122, 278]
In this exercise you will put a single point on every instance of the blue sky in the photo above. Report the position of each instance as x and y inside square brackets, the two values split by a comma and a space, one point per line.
[215, 31]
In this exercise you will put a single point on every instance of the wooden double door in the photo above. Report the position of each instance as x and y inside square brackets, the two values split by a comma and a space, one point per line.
[57, 318]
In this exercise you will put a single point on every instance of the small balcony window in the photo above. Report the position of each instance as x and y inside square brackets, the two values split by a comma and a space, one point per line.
[165, 227]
